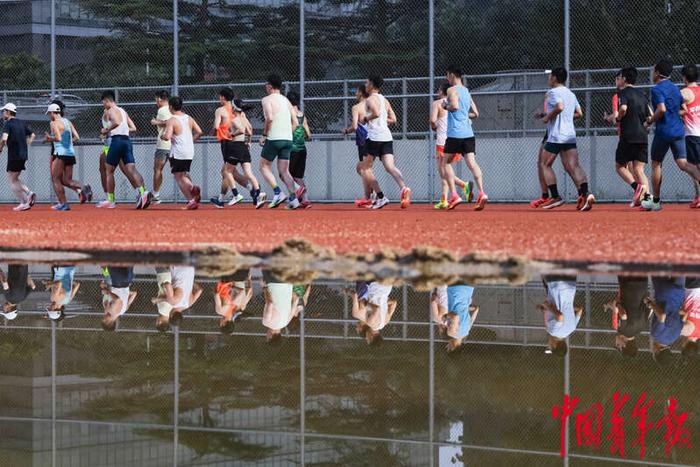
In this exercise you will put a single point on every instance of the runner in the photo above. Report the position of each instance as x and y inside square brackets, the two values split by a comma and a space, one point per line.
[276, 141]
[541, 157]
[117, 295]
[691, 316]
[461, 109]
[669, 133]
[372, 308]
[563, 108]
[281, 307]
[629, 317]
[297, 160]
[121, 150]
[561, 316]
[691, 118]
[62, 290]
[438, 122]
[62, 136]
[364, 166]
[380, 144]
[666, 321]
[180, 294]
[16, 287]
[631, 113]
[162, 146]
[182, 130]
[231, 297]
[223, 118]
[17, 136]
[453, 311]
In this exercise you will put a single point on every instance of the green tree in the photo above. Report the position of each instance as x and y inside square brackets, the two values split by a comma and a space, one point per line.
[22, 71]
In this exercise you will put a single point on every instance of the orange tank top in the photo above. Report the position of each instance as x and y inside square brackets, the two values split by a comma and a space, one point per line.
[223, 131]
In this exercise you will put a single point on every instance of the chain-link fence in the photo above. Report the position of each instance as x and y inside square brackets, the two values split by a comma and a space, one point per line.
[324, 50]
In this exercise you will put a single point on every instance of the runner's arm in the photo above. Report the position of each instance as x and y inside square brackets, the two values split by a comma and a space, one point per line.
[3, 140]
[293, 116]
[688, 97]
[54, 135]
[390, 115]
[74, 132]
[196, 293]
[130, 124]
[391, 308]
[307, 130]
[658, 113]
[115, 119]
[30, 283]
[168, 133]
[354, 123]
[578, 112]
[558, 108]
[132, 297]
[217, 121]
[658, 311]
[76, 286]
[474, 312]
[435, 114]
[268, 119]
[473, 111]
[3, 280]
[372, 110]
[196, 130]
[452, 103]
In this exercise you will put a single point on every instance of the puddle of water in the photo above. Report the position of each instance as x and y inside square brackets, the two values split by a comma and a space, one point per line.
[421, 362]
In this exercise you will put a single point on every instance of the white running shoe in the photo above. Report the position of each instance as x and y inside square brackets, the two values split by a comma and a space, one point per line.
[235, 200]
[293, 204]
[650, 205]
[262, 199]
[106, 204]
[22, 207]
[277, 200]
[380, 203]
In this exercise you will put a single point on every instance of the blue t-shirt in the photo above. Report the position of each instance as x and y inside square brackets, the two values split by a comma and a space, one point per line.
[670, 127]
[458, 123]
[562, 293]
[17, 133]
[669, 294]
[459, 297]
[561, 130]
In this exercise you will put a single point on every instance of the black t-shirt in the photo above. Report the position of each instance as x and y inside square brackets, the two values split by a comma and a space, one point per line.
[17, 276]
[633, 290]
[17, 132]
[632, 125]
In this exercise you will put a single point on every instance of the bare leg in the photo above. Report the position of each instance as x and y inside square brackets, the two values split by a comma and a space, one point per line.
[18, 188]
[227, 179]
[540, 172]
[185, 184]
[365, 185]
[390, 167]
[158, 165]
[639, 175]
[545, 165]
[266, 171]
[283, 170]
[656, 178]
[443, 175]
[133, 175]
[450, 173]
[241, 179]
[624, 173]
[470, 160]
[690, 169]
[57, 167]
[570, 160]
[109, 178]
[248, 171]
[103, 171]
[68, 181]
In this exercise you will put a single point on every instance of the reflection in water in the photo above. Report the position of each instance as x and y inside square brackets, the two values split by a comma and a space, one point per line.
[250, 369]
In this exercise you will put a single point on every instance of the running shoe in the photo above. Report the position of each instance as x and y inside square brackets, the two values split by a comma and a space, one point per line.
[588, 203]
[469, 191]
[580, 201]
[363, 203]
[156, 200]
[650, 205]
[293, 204]
[262, 198]
[405, 197]
[82, 196]
[552, 203]
[441, 205]
[146, 199]
[454, 201]
[481, 202]
[31, 199]
[139, 201]
[197, 193]
[538, 203]
[106, 204]
[695, 204]
[217, 202]
[638, 196]
[300, 191]
[192, 204]
[22, 207]
[306, 204]
[379, 203]
[61, 207]
[235, 200]
[277, 200]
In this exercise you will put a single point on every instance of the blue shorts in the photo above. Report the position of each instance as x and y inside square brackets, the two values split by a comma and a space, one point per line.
[121, 277]
[120, 149]
[659, 148]
[692, 147]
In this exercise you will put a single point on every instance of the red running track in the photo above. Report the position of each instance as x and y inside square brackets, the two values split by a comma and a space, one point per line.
[613, 233]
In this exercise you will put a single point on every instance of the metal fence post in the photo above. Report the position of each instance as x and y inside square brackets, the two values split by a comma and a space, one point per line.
[302, 58]
[346, 109]
[176, 51]
[431, 85]
[53, 390]
[404, 306]
[593, 150]
[404, 105]
[587, 112]
[176, 390]
[567, 36]
[302, 389]
[53, 49]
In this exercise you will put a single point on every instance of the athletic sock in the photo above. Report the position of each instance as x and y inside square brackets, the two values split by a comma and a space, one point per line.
[221, 197]
[254, 194]
[292, 197]
[296, 186]
[156, 193]
[634, 185]
[583, 190]
[235, 192]
[142, 190]
[545, 195]
[276, 190]
[110, 197]
[657, 199]
[553, 191]
[380, 195]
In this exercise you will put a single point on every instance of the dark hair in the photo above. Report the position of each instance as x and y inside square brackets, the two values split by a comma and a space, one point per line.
[293, 97]
[227, 93]
[376, 80]
[629, 73]
[690, 72]
[239, 103]
[690, 350]
[664, 356]
[444, 87]
[227, 327]
[275, 81]
[560, 349]
[275, 340]
[176, 103]
[109, 95]
[163, 95]
[362, 89]
[111, 326]
[60, 105]
[455, 70]
[630, 348]
[376, 340]
[163, 326]
[560, 74]
[175, 318]
[664, 68]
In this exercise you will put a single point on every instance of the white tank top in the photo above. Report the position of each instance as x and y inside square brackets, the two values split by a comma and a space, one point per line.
[281, 127]
[237, 123]
[182, 147]
[183, 278]
[378, 294]
[281, 294]
[123, 294]
[123, 128]
[378, 129]
[441, 131]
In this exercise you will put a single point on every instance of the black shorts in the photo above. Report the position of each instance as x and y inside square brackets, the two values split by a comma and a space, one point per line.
[67, 160]
[297, 163]
[628, 152]
[462, 146]
[692, 149]
[362, 151]
[15, 165]
[235, 152]
[378, 149]
[179, 165]
[546, 135]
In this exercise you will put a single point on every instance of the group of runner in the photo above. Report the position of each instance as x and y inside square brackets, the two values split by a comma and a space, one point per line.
[675, 114]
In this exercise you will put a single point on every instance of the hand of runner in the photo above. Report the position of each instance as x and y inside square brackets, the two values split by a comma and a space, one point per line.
[610, 118]
[540, 115]
[262, 140]
[47, 137]
[5, 286]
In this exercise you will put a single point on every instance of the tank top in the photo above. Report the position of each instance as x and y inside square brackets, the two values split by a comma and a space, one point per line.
[299, 136]
[65, 146]
[182, 147]
[378, 294]
[692, 117]
[65, 274]
[237, 122]
[183, 278]
[692, 308]
[281, 294]
[223, 131]
[281, 128]
[108, 139]
[458, 123]
[377, 128]
[123, 128]
[123, 294]
[441, 131]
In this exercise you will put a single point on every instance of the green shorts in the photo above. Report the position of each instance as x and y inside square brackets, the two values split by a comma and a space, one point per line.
[273, 149]
[556, 148]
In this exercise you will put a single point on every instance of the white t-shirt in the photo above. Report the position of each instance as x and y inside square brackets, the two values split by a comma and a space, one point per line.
[561, 130]
[561, 294]
[183, 278]
[163, 115]
[378, 294]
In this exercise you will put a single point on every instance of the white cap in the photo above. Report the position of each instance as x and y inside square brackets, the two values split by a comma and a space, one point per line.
[54, 314]
[53, 108]
[10, 106]
[11, 315]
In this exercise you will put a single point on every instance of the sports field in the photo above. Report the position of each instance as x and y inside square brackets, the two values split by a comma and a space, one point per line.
[608, 233]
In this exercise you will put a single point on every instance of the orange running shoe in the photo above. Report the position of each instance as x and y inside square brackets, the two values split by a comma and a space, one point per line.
[405, 197]
[695, 204]
[481, 202]
[552, 203]
[580, 202]
[454, 201]
[363, 203]
[538, 202]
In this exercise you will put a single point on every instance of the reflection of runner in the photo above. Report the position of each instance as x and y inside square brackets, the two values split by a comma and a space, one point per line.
[373, 309]
[117, 295]
[62, 289]
[280, 306]
[231, 297]
[560, 315]
[666, 322]
[691, 311]
[629, 313]
[453, 311]
[179, 294]
[16, 286]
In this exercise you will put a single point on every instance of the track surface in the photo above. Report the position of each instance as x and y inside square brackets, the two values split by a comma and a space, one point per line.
[613, 233]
